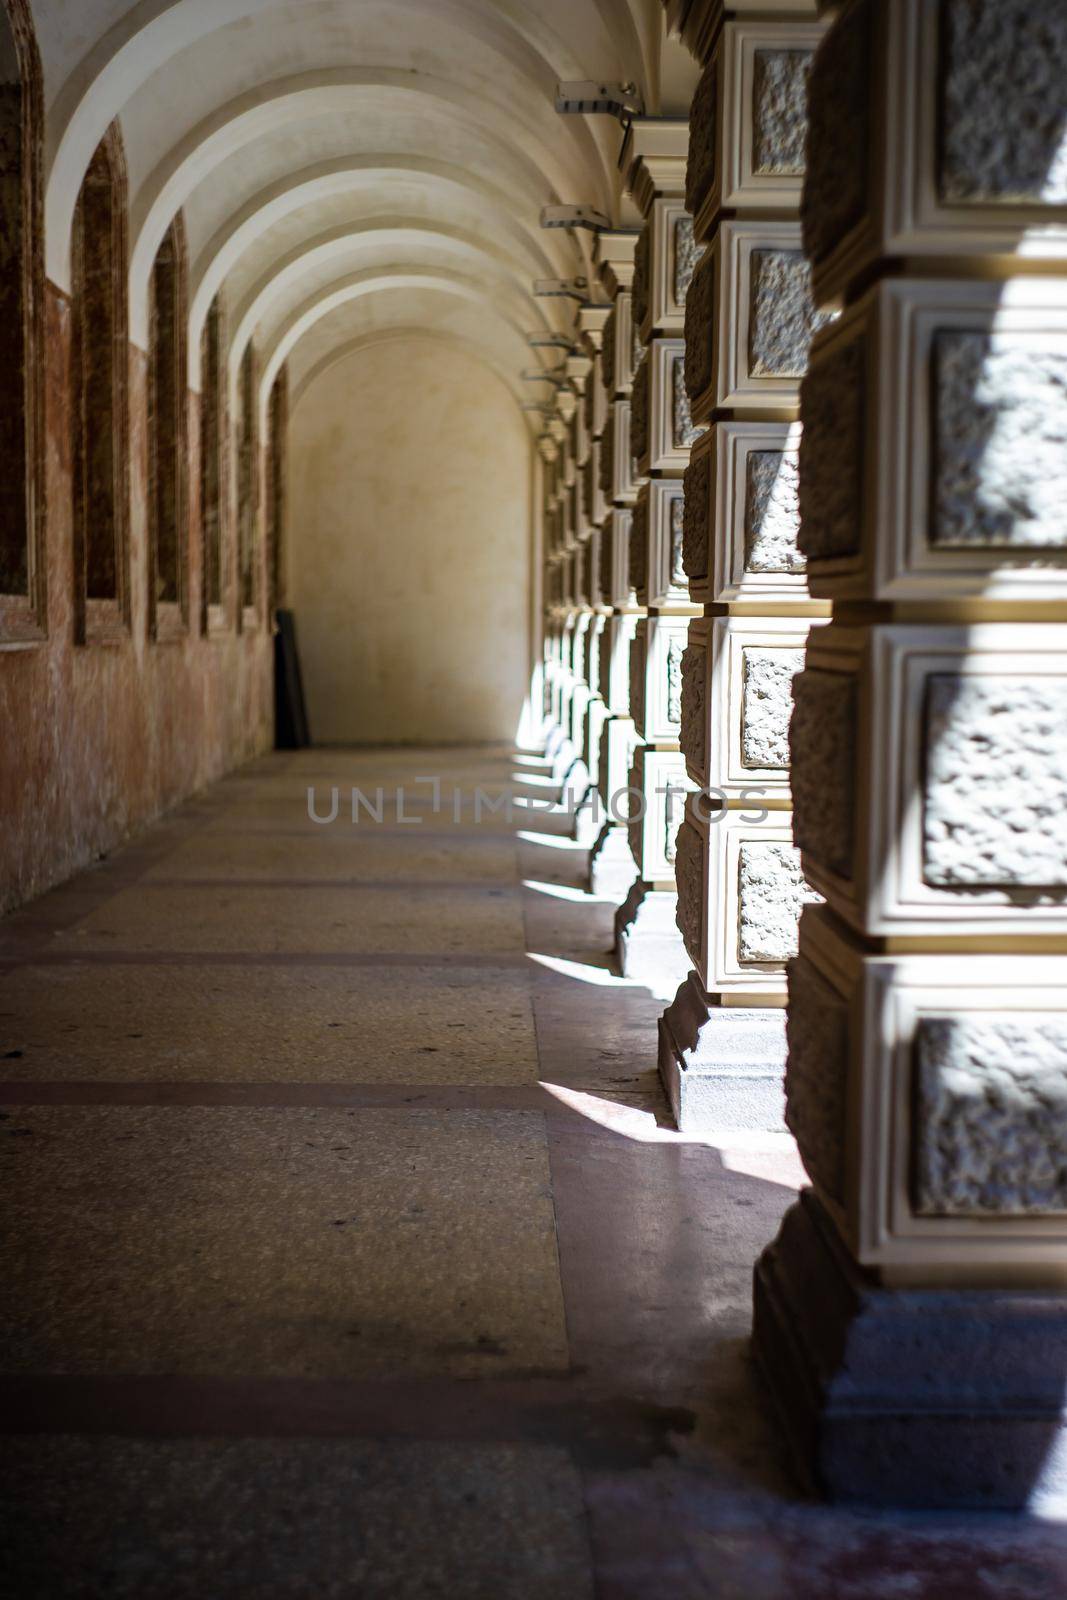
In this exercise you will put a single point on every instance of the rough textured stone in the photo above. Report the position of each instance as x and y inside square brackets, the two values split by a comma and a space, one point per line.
[676, 567]
[782, 315]
[700, 167]
[639, 412]
[816, 1075]
[639, 289]
[607, 555]
[673, 813]
[689, 871]
[771, 893]
[695, 518]
[693, 720]
[832, 404]
[1000, 449]
[772, 512]
[995, 808]
[699, 328]
[991, 1123]
[1002, 101]
[607, 353]
[637, 677]
[822, 745]
[675, 651]
[686, 255]
[639, 545]
[780, 111]
[836, 179]
[767, 704]
[607, 458]
[683, 432]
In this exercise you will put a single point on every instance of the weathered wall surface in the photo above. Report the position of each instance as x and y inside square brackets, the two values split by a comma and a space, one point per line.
[408, 547]
[97, 740]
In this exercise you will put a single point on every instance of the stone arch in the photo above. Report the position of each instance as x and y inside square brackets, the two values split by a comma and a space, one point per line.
[23, 575]
[100, 397]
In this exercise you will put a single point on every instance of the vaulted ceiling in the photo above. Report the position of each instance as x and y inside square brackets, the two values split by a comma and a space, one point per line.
[346, 169]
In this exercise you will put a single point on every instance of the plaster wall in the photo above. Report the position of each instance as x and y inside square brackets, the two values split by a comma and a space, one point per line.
[99, 739]
[408, 548]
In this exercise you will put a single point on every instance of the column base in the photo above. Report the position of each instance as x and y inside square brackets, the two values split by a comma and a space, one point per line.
[648, 946]
[910, 1397]
[722, 1066]
[612, 868]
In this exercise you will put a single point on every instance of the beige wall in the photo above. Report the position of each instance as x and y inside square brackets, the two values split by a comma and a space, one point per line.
[408, 563]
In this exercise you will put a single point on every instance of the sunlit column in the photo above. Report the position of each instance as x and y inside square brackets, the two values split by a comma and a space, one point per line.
[749, 323]
[912, 1316]
[585, 371]
[653, 164]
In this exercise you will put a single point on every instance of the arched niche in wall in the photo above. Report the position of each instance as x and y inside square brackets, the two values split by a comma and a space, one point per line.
[213, 431]
[277, 484]
[248, 486]
[23, 571]
[168, 488]
[100, 398]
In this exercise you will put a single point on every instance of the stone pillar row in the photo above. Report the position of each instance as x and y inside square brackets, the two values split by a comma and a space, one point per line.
[911, 1317]
[749, 323]
[653, 165]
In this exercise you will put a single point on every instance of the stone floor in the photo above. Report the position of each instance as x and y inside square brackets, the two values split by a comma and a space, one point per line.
[348, 1251]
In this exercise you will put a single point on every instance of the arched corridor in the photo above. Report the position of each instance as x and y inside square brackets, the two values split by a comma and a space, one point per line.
[533, 806]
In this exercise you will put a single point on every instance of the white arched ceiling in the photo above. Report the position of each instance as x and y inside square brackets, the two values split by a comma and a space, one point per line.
[345, 167]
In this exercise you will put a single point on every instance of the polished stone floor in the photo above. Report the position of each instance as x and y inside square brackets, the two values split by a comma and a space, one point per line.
[347, 1247]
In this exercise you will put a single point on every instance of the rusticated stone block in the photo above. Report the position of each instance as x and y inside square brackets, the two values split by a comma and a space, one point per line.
[772, 512]
[673, 813]
[675, 651]
[767, 705]
[694, 710]
[637, 678]
[782, 315]
[771, 893]
[816, 1075]
[780, 111]
[822, 756]
[695, 517]
[991, 1119]
[607, 584]
[1000, 461]
[607, 458]
[683, 432]
[607, 352]
[639, 411]
[832, 405]
[689, 871]
[639, 545]
[839, 133]
[995, 812]
[1002, 138]
[700, 167]
[686, 255]
[699, 326]
[639, 289]
[677, 516]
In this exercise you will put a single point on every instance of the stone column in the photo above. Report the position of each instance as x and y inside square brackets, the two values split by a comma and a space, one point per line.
[611, 865]
[653, 164]
[911, 1317]
[585, 369]
[749, 323]
[552, 547]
